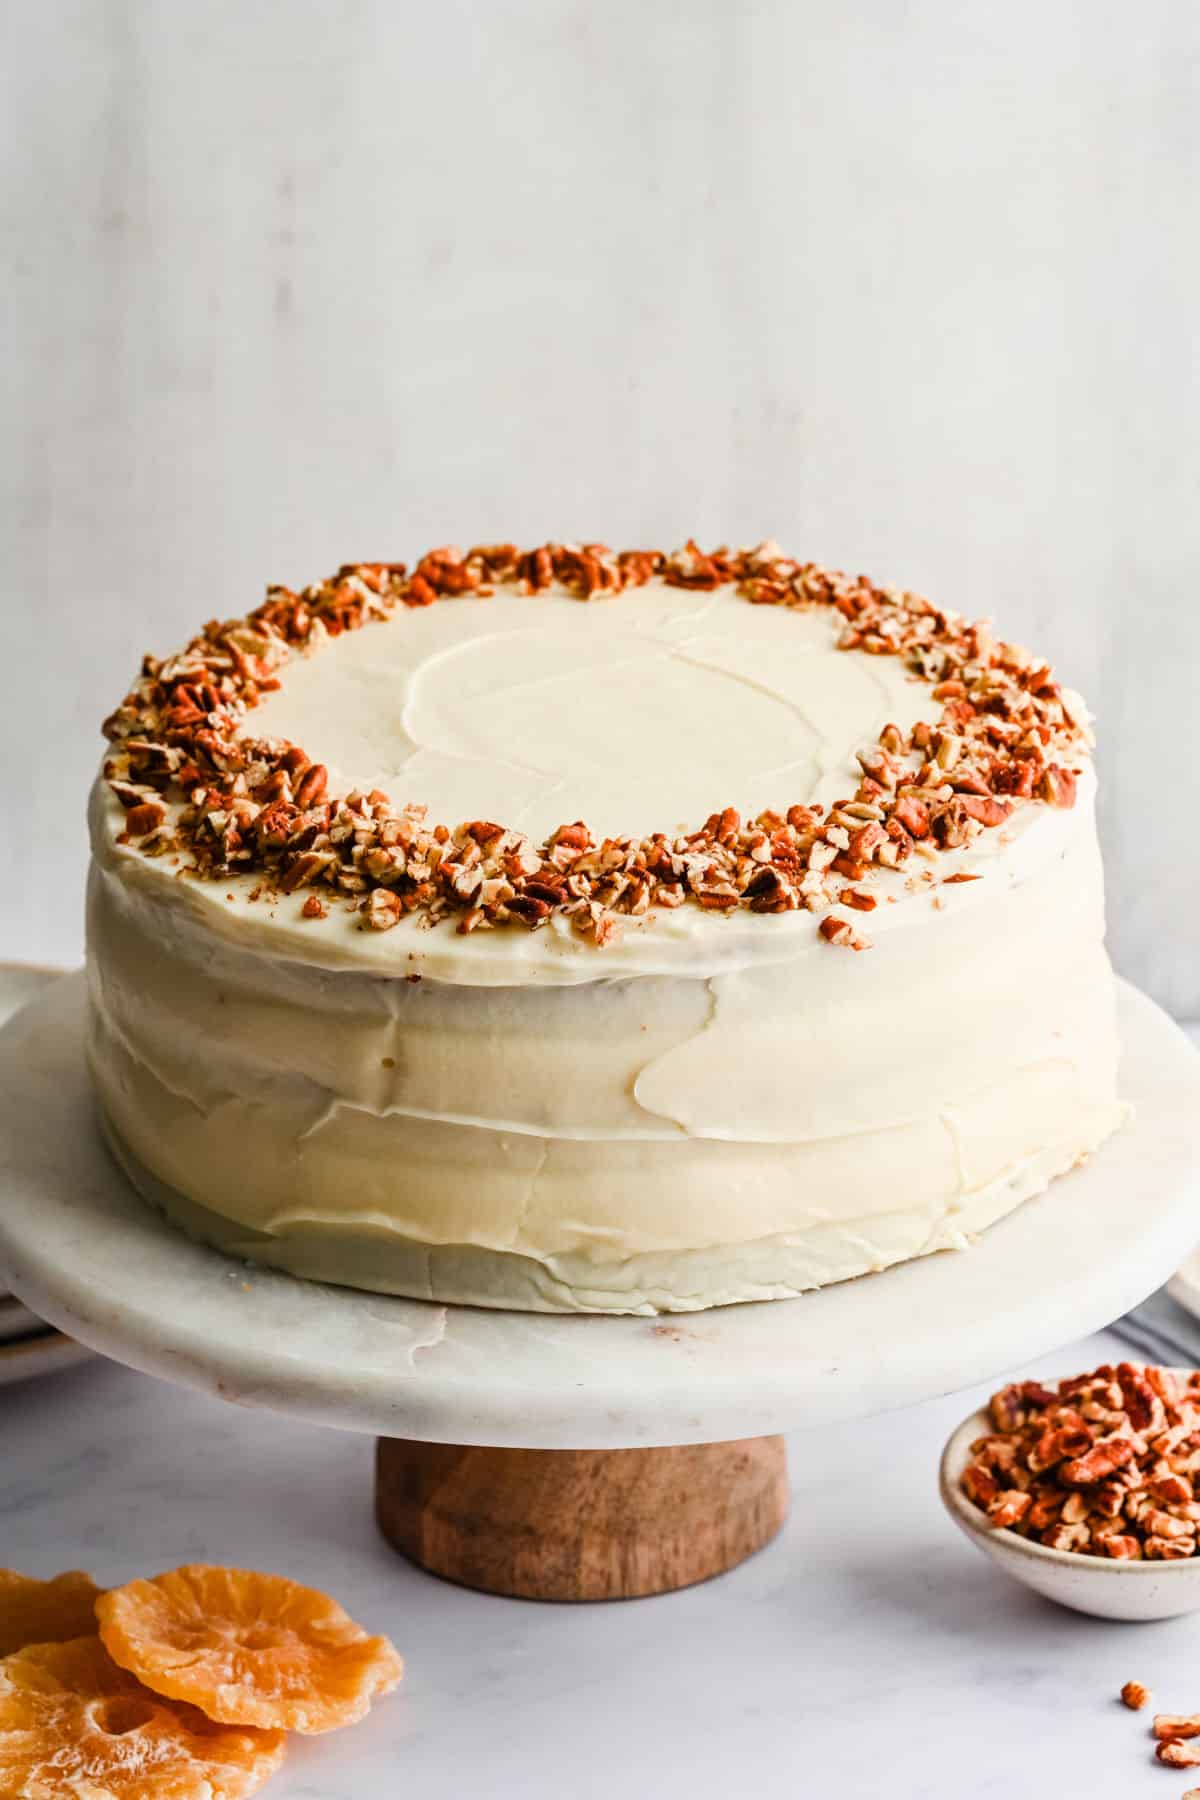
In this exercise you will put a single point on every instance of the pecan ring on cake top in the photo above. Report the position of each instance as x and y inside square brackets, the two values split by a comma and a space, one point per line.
[195, 780]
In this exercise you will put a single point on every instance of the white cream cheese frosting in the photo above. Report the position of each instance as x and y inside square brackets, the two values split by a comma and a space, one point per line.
[716, 1108]
[635, 713]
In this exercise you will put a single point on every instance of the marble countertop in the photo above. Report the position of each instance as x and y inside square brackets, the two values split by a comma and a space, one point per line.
[870, 1650]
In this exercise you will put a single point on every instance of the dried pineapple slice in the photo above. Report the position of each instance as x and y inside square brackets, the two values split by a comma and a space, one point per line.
[45, 1612]
[74, 1726]
[247, 1648]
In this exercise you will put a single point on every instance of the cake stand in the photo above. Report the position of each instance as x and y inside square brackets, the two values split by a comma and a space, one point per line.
[580, 1457]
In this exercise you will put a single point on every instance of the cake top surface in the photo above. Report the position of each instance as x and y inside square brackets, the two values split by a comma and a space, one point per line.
[635, 716]
[724, 740]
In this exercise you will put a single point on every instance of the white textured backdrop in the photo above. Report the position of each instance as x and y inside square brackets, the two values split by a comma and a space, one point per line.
[909, 286]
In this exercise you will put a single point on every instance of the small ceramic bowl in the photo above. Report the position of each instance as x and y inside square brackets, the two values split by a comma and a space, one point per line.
[1087, 1584]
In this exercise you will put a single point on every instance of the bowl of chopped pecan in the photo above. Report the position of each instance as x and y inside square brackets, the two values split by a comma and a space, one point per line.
[1087, 1489]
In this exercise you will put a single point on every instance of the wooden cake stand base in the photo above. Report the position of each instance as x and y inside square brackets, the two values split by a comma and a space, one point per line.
[580, 1524]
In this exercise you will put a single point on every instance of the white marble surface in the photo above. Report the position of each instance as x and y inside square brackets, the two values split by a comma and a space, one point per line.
[869, 1651]
[909, 287]
[80, 1246]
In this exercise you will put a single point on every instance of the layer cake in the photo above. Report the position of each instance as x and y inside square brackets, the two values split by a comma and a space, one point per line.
[571, 930]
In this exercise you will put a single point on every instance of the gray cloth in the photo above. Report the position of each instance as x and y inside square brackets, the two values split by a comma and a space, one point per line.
[1162, 1331]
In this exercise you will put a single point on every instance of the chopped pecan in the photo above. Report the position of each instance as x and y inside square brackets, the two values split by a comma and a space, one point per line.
[145, 817]
[1066, 1537]
[1006, 1509]
[1142, 1403]
[980, 1484]
[1178, 1755]
[865, 841]
[1165, 1524]
[1046, 1508]
[1172, 1490]
[840, 931]
[381, 909]
[1122, 1547]
[1169, 1549]
[1007, 1408]
[311, 786]
[1057, 786]
[305, 868]
[1069, 1440]
[1173, 1725]
[1100, 1461]
[987, 810]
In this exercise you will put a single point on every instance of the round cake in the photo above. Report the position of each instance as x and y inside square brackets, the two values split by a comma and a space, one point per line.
[583, 931]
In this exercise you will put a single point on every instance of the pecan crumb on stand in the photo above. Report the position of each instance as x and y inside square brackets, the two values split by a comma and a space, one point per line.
[1102, 1465]
[1134, 1695]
